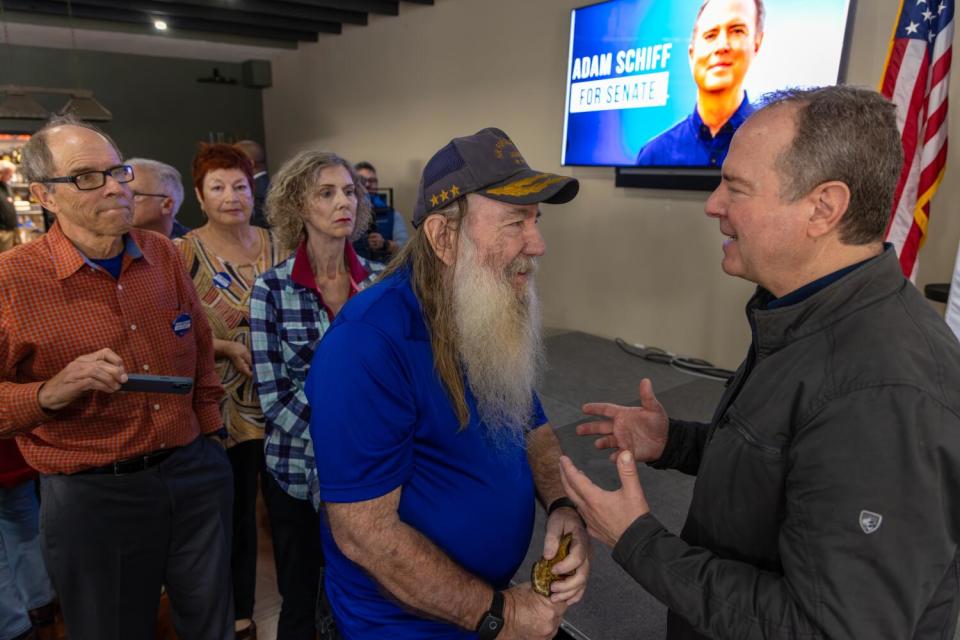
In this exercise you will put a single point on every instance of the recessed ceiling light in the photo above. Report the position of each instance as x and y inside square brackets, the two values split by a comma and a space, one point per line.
[159, 25]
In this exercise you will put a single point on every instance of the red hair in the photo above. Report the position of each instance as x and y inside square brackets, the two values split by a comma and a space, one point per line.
[219, 156]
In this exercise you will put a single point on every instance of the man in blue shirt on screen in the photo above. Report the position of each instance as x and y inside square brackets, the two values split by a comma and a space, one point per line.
[726, 37]
[431, 443]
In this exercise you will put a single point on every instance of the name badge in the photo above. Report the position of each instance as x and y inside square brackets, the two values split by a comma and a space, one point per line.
[222, 280]
[182, 324]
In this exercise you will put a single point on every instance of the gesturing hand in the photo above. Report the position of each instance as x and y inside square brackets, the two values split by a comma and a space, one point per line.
[530, 616]
[98, 371]
[608, 513]
[640, 430]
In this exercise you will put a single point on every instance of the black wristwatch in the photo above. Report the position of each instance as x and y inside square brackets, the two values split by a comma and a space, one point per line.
[492, 623]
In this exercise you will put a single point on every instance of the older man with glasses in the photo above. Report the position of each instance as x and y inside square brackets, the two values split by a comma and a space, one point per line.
[133, 496]
[157, 196]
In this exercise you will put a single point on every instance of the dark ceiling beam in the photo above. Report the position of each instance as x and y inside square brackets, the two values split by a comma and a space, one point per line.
[273, 8]
[48, 7]
[169, 11]
[383, 7]
[208, 26]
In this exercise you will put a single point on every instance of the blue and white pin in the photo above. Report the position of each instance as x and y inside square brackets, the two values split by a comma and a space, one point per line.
[182, 324]
[222, 280]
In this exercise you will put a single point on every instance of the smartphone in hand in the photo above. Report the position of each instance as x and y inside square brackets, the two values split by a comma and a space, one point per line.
[157, 384]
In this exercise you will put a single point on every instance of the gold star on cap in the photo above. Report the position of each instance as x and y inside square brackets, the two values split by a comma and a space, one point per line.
[434, 201]
[454, 191]
[444, 195]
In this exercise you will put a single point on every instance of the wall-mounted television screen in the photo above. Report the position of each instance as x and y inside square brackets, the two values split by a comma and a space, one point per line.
[665, 83]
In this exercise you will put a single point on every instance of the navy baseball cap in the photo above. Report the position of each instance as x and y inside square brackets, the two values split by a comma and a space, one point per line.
[490, 164]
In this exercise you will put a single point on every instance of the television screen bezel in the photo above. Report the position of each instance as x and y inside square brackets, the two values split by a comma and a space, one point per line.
[691, 178]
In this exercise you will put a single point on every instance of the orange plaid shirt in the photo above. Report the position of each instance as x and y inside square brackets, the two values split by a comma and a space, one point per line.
[55, 306]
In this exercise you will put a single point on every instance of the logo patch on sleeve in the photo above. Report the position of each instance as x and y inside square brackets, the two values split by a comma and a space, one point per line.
[870, 521]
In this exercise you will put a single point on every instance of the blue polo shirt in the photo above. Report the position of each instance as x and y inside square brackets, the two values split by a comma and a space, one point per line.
[689, 143]
[382, 419]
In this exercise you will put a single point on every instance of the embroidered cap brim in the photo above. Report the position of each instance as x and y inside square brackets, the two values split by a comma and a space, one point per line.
[532, 187]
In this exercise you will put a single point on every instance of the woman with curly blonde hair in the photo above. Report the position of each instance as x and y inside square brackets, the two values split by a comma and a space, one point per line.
[316, 206]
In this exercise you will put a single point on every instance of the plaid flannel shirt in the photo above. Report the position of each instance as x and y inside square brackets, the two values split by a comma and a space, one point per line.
[287, 320]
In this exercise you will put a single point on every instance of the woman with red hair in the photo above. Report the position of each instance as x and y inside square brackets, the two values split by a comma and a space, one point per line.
[224, 258]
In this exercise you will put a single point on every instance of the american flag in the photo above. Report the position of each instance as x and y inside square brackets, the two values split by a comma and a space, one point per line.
[916, 79]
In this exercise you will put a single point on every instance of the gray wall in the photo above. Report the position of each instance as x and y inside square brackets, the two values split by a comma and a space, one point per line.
[159, 109]
[640, 264]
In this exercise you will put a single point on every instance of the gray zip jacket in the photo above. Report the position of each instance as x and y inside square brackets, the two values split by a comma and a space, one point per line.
[827, 500]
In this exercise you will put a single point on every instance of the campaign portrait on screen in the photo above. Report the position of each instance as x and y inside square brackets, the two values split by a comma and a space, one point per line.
[666, 83]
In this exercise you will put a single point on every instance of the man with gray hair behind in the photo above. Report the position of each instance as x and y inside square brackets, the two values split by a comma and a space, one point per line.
[157, 196]
[827, 499]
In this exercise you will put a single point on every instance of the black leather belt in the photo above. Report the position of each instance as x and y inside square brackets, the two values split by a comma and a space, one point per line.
[132, 465]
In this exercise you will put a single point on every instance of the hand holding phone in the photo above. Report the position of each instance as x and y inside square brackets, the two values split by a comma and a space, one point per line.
[157, 384]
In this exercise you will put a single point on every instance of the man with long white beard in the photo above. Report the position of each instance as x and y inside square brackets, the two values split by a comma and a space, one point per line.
[430, 439]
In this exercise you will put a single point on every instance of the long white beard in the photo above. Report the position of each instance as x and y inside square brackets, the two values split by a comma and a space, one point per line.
[498, 337]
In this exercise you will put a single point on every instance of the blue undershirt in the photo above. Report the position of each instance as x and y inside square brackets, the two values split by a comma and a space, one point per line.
[807, 290]
[111, 265]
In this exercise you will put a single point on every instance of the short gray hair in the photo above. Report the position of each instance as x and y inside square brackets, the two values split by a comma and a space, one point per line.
[38, 163]
[761, 16]
[846, 134]
[168, 176]
[291, 186]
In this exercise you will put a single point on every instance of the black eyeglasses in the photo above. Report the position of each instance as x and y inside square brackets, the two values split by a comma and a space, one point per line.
[90, 180]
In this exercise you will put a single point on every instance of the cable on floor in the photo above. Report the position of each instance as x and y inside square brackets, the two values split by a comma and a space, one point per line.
[691, 366]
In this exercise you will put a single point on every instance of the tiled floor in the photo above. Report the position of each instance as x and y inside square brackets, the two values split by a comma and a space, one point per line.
[267, 605]
[585, 368]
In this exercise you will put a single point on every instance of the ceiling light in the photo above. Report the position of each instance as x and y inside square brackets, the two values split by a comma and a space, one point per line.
[86, 108]
[159, 25]
[23, 106]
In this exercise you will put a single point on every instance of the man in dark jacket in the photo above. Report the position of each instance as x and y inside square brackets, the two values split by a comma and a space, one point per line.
[261, 180]
[827, 500]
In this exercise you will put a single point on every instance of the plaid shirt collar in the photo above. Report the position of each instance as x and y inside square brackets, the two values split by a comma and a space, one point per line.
[68, 259]
[302, 273]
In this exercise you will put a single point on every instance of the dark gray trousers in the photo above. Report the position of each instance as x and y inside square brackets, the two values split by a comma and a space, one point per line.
[110, 542]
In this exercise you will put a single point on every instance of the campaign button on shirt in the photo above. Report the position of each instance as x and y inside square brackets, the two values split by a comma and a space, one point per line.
[222, 280]
[182, 324]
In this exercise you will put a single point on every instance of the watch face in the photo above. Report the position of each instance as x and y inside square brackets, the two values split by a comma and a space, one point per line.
[490, 627]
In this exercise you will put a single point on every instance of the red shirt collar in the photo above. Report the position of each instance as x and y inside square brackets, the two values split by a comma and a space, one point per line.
[67, 259]
[302, 273]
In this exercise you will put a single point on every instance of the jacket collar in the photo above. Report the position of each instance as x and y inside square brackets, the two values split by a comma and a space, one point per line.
[878, 278]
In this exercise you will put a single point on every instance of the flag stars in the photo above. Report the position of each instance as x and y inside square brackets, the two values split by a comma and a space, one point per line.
[912, 28]
[941, 8]
[921, 1]
[927, 15]
[931, 36]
